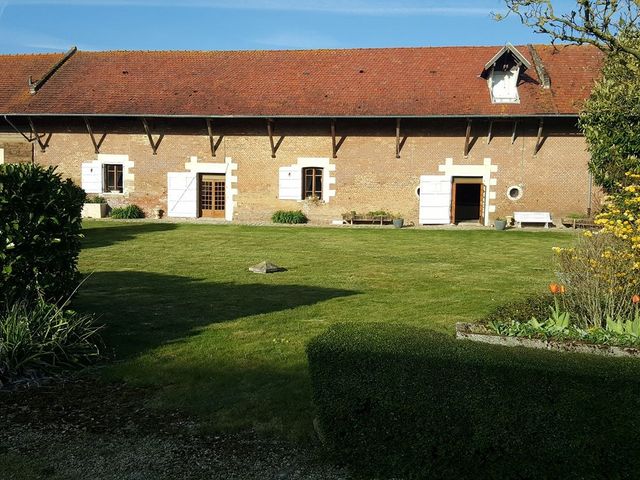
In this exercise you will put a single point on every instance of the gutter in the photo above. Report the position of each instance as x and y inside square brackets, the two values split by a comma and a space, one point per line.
[267, 117]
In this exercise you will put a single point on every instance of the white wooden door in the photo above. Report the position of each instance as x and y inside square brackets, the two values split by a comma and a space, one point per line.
[92, 177]
[182, 194]
[290, 183]
[435, 200]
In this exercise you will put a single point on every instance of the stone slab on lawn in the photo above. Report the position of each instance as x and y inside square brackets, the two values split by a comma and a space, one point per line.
[266, 267]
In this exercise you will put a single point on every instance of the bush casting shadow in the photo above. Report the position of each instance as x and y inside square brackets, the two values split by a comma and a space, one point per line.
[106, 235]
[144, 310]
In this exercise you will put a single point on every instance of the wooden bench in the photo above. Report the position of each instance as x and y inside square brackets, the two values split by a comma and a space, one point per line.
[532, 217]
[377, 219]
[574, 223]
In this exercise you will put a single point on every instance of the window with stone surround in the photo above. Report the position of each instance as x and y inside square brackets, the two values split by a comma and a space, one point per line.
[112, 176]
[312, 183]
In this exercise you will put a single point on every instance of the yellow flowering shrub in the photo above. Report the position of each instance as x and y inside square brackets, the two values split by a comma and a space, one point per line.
[602, 271]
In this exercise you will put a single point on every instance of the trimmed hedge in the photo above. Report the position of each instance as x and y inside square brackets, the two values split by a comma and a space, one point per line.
[127, 212]
[289, 216]
[410, 403]
[40, 231]
[522, 310]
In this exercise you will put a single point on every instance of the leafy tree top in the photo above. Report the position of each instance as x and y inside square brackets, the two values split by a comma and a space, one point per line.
[595, 22]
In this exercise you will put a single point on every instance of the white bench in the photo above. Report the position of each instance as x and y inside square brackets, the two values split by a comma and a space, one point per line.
[532, 217]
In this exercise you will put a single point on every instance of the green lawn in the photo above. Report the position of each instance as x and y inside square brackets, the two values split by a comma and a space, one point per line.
[184, 315]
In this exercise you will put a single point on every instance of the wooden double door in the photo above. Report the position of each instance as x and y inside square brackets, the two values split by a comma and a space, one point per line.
[212, 195]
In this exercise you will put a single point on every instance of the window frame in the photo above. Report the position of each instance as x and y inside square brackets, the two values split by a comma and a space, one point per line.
[317, 175]
[118, 172]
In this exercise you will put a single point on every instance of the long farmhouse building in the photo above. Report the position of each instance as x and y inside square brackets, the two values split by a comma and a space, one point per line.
[439, 135]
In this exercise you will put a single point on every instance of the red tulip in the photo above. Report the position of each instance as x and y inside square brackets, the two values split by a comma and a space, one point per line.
[635, 299]
[554, 288]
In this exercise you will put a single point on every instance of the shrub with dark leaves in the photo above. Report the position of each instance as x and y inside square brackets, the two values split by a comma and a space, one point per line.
[40, 231]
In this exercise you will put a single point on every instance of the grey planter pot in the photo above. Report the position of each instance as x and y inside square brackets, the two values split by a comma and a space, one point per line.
[398, 222]
[501, 224]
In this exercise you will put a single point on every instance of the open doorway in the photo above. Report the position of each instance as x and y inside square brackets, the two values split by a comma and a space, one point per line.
[467, 200]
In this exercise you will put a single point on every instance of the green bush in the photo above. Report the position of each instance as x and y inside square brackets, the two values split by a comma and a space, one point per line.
[395, 401]
[127, 212]
[521, 310]
[40, 231]
[95, 199]
[44, 338]
[289, 216]
[379, 213]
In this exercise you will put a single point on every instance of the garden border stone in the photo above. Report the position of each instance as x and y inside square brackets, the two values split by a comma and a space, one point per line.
[479, 333]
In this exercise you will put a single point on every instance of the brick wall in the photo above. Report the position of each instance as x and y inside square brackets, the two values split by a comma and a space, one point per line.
[15, 148]
[368, 175]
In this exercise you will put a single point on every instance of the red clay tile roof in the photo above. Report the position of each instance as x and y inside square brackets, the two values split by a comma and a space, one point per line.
[337, 83]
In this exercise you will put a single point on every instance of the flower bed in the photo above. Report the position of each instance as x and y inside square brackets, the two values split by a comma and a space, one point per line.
[596, 300]
[480, 333]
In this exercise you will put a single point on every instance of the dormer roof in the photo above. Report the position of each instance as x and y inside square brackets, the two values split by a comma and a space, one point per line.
[508, 49]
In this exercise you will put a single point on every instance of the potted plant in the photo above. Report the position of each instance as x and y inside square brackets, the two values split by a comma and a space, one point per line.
[398, 221]
[95, 207]
[501, 223]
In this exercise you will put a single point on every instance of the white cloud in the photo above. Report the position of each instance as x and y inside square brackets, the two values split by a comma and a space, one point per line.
[349, 7]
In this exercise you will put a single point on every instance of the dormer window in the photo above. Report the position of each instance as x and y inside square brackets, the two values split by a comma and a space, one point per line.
[504, 86]
[503, 72]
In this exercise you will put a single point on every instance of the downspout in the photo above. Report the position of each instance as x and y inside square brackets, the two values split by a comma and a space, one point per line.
[590, 198]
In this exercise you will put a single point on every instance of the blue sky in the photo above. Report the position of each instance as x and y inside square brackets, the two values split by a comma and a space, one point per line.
[55, 25]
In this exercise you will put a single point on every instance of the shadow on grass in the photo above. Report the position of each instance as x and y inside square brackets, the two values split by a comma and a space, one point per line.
[144, 310]
[106, 234]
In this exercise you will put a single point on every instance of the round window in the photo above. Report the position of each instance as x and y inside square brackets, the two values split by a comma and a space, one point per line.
[514, 192]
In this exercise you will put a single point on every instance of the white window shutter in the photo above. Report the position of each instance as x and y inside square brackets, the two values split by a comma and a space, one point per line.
[435, 200]
[290, 182]
[182, 194]
[92, 177]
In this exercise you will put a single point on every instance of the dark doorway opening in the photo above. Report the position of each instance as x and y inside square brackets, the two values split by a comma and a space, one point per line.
[468, 196]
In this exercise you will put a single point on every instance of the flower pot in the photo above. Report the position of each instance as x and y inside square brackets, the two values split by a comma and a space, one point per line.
[398, 222]
[94, 210]
[501, 224]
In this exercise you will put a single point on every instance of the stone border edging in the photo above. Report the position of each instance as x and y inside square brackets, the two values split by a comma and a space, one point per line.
[479, 333]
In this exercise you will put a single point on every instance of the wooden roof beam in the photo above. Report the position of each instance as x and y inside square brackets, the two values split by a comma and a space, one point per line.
[154, 143]
[43, 144]
[17, 130]
[540, 139]
[214, 144]
[274, 145]
[96, 143]
[467, 139]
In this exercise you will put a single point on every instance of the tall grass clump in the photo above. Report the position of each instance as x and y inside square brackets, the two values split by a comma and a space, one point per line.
[289, 216]
[127, 212]
[40, 338]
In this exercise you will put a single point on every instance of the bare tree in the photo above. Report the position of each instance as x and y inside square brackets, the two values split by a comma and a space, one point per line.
[596, 22]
